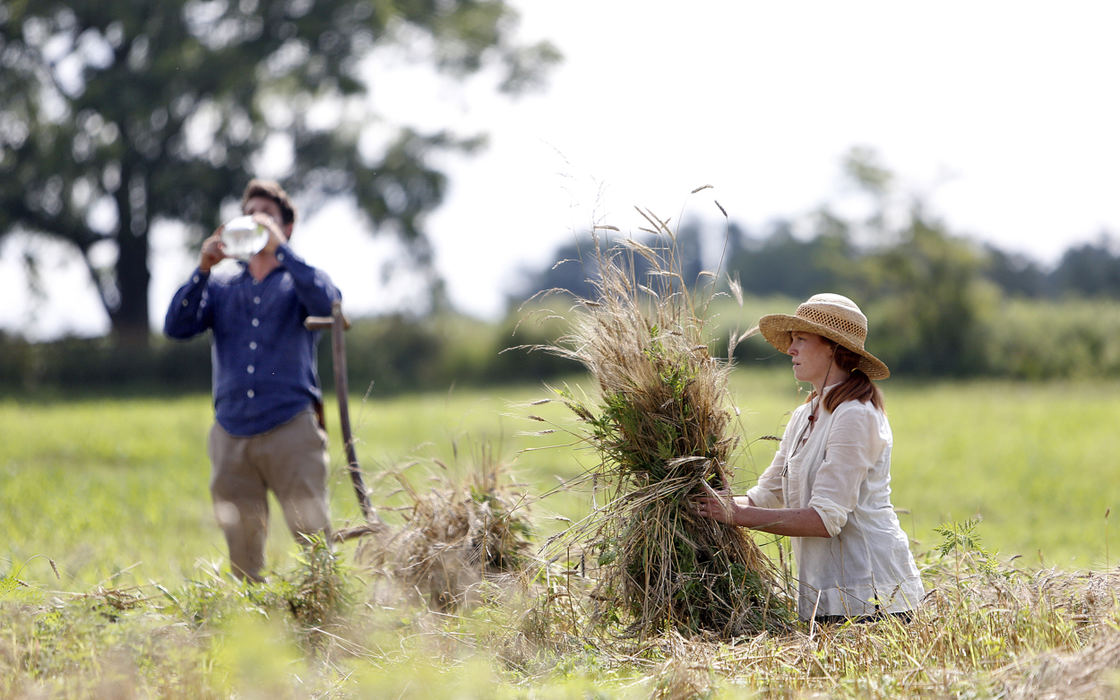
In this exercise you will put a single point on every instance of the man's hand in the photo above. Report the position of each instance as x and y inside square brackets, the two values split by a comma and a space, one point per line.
[213, 251]
[276, 237]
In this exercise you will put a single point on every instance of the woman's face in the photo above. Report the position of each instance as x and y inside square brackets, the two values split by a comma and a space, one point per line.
[812, 358]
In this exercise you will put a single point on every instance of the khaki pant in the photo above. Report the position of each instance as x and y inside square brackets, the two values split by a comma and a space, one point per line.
[291, 460]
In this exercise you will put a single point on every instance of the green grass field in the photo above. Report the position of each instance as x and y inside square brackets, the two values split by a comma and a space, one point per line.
[111, 583]
[103, 486]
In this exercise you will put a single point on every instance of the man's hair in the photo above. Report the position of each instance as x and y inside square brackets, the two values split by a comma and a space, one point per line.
[271, 189]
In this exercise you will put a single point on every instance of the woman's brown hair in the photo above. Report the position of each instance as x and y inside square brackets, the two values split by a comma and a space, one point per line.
[856, 386]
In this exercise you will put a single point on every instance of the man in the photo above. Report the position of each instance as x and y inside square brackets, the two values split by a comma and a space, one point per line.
[268, 430]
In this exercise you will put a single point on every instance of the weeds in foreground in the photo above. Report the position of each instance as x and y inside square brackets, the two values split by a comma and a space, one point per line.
[985, 630]
[152, 641]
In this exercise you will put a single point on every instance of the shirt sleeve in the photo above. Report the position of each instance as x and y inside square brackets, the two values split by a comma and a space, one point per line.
[189, 312]
[768, 493]
[854, 445]
[313, 287]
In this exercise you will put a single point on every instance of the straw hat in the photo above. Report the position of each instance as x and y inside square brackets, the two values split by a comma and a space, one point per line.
[833, 316]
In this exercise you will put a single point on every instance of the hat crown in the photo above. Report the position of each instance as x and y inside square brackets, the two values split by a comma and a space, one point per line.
[831, 316]
[836, 312]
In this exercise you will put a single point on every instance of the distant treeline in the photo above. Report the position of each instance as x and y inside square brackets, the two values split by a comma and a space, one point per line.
[385, 355]
[1014, 338]
[939, 304]
[782, 263]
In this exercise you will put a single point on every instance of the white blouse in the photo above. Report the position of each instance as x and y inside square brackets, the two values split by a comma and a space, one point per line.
[841, 469]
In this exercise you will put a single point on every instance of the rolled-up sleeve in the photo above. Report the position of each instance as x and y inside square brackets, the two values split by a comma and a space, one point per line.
[854, 445]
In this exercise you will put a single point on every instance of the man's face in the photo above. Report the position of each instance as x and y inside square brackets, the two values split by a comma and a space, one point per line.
[264, 205]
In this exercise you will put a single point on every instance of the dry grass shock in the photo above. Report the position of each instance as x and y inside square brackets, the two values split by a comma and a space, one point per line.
[459, 533]
[662, 426]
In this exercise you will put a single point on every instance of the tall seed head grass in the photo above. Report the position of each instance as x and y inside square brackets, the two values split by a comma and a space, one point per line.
[662, 425]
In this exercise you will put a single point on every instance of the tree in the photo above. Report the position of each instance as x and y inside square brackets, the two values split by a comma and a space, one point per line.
[930, 301]
[927, 299]
[1014, 273]
[1090, 269]
[118, 114]
[782, 263]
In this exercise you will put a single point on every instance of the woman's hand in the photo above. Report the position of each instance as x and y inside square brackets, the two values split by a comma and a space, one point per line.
[723, 507]
[739, 510]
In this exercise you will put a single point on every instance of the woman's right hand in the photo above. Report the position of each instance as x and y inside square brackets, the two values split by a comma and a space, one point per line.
[716, 508]
[722, 507]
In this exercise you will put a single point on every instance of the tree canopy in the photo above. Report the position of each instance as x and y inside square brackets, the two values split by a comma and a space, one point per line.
[119, 114]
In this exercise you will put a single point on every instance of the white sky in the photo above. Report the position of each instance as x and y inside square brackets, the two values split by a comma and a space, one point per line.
[1004, 114]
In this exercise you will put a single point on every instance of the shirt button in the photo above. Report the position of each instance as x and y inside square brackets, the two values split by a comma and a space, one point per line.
[194, 279]
[256, 300]
[185, 302]
[253, 345]
[250, 393]
[280, 257]
[250, 369]
[256, 322]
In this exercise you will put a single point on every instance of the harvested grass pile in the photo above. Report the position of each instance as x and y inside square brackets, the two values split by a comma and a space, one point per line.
[457, 534]
[662, 428]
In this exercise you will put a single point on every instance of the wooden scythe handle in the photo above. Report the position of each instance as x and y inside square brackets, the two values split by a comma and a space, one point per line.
[338, 324]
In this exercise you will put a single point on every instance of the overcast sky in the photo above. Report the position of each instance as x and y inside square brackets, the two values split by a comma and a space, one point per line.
[1003, 114]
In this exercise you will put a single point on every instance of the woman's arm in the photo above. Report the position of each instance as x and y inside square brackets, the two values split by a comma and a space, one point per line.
[791, 522]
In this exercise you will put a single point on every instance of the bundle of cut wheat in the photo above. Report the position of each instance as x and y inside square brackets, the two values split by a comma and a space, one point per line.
[457, 534]
[662, 427]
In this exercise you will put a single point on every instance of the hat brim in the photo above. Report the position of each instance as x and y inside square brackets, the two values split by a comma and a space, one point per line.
[778, 330]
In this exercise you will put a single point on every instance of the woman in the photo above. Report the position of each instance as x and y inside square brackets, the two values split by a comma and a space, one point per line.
[828, 487]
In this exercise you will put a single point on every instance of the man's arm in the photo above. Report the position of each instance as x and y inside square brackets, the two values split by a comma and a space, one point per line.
[189, 314]
[313, 286]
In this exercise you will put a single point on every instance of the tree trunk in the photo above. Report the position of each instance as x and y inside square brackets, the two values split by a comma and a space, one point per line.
[130, 319]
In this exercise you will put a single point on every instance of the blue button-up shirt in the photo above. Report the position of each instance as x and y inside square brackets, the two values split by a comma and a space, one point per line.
[263, 358]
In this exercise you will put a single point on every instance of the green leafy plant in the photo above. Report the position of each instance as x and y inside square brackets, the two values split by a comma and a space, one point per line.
[963, 539]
